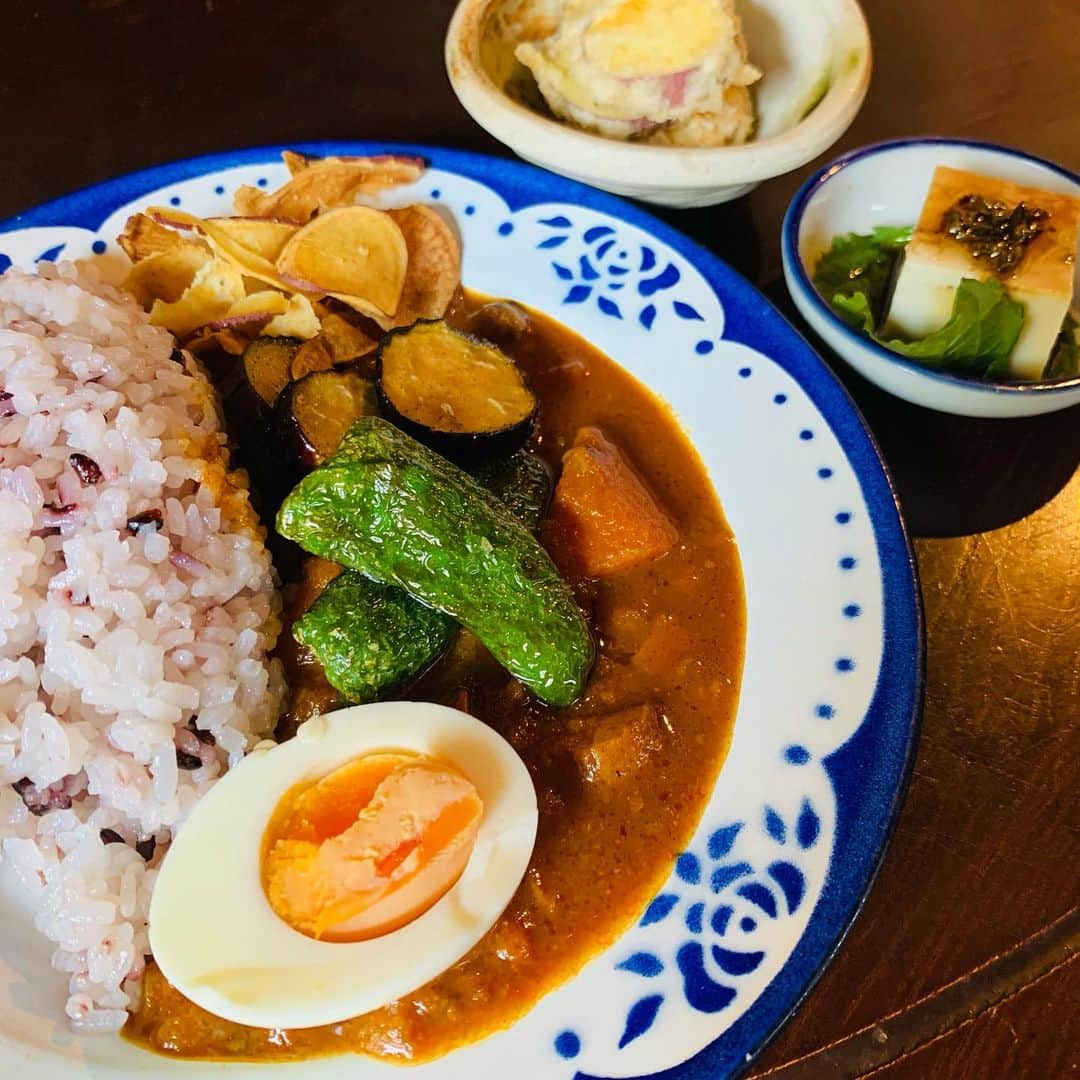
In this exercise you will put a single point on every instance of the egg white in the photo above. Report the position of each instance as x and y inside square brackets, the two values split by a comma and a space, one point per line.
[217, 940]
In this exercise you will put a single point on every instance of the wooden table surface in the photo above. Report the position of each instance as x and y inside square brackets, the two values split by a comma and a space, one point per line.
[961, 964]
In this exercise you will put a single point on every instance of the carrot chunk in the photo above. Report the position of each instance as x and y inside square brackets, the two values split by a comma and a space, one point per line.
[603, 518]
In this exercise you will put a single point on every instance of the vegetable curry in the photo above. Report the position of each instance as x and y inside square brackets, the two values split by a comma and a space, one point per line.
[622, 775]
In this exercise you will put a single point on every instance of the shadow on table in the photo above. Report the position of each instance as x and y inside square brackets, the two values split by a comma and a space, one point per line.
[956, 475]
[727, 230]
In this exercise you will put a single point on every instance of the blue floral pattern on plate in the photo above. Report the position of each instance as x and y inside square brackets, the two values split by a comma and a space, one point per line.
[712, 889]
[607, 268]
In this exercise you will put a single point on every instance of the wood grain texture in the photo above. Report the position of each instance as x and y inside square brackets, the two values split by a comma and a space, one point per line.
[1034, 1034]
[905, 1033]
[986, 854]
[1009, 1038]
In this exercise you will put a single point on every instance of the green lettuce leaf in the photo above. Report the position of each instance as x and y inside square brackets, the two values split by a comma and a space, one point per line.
[1065, 359]
[854, 273]
[854, 308]
[979, 336]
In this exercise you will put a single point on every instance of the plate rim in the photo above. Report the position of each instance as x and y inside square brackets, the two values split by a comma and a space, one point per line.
[902, 674]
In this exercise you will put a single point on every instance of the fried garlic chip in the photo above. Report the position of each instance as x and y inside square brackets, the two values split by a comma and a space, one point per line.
[216, 287]
[262, 236]
[325, 184]
[225, 244]
[143, 237]
[166, 274]
[434, 268]
[268, 302]
[355, 253]
[298, 320]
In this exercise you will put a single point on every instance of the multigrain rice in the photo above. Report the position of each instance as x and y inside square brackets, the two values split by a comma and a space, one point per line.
[137, 610]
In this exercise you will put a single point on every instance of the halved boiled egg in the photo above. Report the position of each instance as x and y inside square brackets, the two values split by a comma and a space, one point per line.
[330, 875]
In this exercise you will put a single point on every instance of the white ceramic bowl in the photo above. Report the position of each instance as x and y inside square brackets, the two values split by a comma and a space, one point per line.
[808, 52]
[886, 184]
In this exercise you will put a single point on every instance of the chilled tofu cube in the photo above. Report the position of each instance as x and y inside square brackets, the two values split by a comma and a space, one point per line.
[934, 263]
[603, 518]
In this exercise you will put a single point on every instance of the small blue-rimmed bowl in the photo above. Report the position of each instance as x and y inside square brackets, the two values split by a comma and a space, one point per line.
[886, 184]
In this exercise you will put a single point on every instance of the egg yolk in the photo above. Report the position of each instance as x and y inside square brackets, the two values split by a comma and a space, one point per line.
[369, 847]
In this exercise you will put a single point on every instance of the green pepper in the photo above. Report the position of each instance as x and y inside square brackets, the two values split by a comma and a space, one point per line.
[371, 638]
[393, 510]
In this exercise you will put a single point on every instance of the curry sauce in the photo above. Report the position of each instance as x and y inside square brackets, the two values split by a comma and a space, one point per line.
[621, 776]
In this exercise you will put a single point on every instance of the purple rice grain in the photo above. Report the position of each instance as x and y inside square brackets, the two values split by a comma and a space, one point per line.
[85, 468]
[148, 519]
[187, 761]
[205, 737]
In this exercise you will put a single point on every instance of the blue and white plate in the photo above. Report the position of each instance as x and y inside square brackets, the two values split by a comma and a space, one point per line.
[828, 717]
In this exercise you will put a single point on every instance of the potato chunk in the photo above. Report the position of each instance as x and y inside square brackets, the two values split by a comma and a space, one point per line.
[603, 518]
[618, 746]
